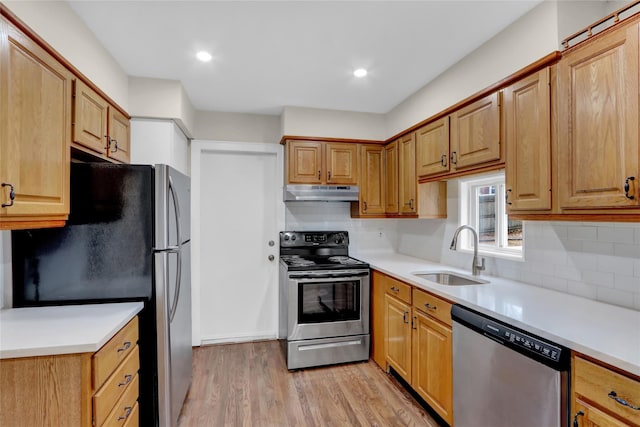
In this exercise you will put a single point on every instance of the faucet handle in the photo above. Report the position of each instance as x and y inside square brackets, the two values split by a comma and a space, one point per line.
[481, 268]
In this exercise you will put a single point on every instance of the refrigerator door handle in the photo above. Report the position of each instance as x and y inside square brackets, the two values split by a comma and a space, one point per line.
[176, 295]
[170, 249]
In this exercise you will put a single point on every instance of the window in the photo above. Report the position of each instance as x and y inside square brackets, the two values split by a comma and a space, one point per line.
[482, 205]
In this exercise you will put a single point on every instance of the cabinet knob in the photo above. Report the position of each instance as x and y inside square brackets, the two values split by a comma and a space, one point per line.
[443, 160]
[12, 194]
[116, 145]
[108, 142]
[364, 206]
[411, 204]
[271, 257]
[575, 418]
[329, 175]
[319, 175]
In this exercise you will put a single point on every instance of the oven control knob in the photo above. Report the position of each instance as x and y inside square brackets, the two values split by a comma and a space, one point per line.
[293, 237]
[286, 237]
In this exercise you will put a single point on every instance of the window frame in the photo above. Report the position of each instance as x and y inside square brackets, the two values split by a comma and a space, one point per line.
[468, 214]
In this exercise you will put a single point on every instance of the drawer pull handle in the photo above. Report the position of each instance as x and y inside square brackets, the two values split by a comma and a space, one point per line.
[12, 194]
[125, 347]
[430, 307]
[127, 380]
[613, 395]
[394, 289]
[127, 412]
[575, 418]
[626, 187]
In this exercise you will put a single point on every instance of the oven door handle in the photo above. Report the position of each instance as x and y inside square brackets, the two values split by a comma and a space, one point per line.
[328, 276]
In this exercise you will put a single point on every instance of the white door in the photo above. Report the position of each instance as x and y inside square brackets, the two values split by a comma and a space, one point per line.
[238, 213]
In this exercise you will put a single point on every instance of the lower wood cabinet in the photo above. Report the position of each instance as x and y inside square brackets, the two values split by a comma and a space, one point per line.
[602, 397]
[414, 337]
[84, 389]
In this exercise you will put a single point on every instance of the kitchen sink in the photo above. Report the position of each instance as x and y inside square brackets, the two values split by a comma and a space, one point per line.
[448, 278]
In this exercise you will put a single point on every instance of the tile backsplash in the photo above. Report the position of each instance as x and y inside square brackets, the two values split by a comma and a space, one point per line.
[599, 261]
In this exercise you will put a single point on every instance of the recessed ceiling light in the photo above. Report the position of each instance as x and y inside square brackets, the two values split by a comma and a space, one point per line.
[360, 72]
[204, 56]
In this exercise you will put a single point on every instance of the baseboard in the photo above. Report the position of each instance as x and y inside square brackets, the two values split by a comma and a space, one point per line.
[209, 340]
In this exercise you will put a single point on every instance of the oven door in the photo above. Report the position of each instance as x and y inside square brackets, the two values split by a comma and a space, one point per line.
[325, 304]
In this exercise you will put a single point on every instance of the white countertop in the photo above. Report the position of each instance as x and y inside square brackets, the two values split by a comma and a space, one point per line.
[44, 331]
[605, 332]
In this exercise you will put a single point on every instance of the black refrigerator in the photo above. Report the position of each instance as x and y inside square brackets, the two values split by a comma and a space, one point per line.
[127, 239]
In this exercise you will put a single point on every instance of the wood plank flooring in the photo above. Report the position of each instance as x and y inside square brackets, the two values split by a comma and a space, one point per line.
[249, 385]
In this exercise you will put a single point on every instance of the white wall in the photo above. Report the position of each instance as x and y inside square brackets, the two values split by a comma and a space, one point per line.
[530, 38]
[161, 99]
[218, 126]
[59, 25]
[333, 124]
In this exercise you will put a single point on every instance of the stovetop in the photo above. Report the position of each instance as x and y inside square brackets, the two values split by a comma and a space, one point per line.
[321, 262]
[317, 250]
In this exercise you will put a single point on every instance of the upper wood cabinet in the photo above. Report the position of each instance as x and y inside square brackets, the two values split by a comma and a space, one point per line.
[35, 133]
[475, 133]
[391, 177]
[432, 148]
[372, 182]
[407, 179]
[98, 126]
[315, 162]
[598, 146]
[527, 117]
[469, 138]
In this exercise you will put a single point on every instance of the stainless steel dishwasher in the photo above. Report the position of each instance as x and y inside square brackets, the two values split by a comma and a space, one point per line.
[505, 377]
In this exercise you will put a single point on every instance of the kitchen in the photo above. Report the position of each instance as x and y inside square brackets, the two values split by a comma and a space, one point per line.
[556, 251]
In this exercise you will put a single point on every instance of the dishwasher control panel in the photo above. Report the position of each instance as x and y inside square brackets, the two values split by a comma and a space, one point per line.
[522, 340]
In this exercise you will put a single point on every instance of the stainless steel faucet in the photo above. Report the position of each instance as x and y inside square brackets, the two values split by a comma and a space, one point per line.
[475, 267]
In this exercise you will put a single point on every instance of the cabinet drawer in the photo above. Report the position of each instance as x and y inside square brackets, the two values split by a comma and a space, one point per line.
[115, 351]
[117, 384]
[433, 306]
[595, 383]
[400, 290]
[125, 407]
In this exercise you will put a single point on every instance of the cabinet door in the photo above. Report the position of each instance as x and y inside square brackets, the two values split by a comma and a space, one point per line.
[408, 182]
[391, 178]
[432, 373]
[432, 148]
[528, 143]
[91, 114]
[475, 133]
[398, 336]
[119, 133]
[372, 180]
[304, 162]
[35, 130]
[598, 122]
[341, 163]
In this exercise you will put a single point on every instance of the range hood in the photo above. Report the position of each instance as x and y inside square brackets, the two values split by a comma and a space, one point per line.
[321, 193]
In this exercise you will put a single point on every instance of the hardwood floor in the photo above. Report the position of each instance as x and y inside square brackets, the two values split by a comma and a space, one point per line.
[249, 385]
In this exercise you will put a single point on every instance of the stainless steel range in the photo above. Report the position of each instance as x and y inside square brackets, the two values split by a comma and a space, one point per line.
[324, 299]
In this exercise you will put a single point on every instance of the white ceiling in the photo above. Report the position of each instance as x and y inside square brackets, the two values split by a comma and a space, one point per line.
[270, 54]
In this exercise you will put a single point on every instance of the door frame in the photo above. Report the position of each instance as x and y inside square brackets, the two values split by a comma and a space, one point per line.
[198, 148]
